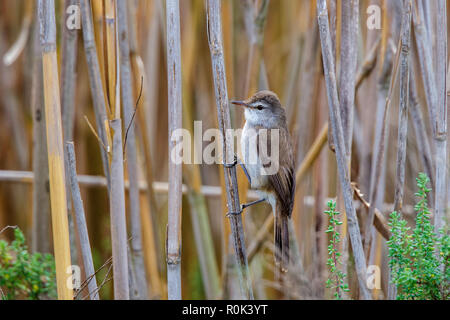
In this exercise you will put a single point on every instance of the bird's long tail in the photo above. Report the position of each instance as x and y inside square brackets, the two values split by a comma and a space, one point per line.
[281, 239]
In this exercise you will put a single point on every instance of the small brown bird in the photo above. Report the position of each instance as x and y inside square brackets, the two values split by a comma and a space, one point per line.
[272, 176]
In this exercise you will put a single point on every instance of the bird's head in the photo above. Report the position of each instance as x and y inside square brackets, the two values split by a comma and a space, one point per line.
[263, 108]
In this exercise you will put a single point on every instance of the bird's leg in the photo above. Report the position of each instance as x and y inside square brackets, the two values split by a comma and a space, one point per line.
[246, 172]
[234, 163]
[244, 206]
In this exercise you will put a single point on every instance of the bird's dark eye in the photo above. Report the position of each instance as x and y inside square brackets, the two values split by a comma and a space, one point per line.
[259, 107]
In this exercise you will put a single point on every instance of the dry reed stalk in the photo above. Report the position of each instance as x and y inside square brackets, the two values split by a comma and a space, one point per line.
[175, 170]
[214, 31]
[68, 88]
[118, 219]
[98, 25]
[149, 205]
[404, 104]
[336, 124]
[95, 81]
[55, 147]
[334, 8]
[109, 25]
[434, 81]
[41, 198]
[81, 222]
[348, 60]
[440, 120]
[68, 75]
[229, 36]
[130, 148]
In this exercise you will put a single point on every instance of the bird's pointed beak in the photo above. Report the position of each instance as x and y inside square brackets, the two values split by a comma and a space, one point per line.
[239, 103]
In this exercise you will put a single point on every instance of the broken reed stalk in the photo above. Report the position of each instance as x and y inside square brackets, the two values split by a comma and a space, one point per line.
[336, 124]
[175, 169]
[440, 121]
[214, 32]
[95, 80]
[55, 147]
[130, 147]
[118, 219]
[81, 222]
[40, 234]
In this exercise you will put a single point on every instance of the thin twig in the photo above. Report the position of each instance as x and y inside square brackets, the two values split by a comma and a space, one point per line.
[132, 118]
[8, 227]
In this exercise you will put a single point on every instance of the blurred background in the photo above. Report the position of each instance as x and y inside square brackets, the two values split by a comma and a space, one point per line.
[267, 45]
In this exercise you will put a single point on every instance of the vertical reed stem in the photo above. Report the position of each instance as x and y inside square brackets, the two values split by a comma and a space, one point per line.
[118, 220]
[55, 147]
[175, 169]
[41, 197]
[130, 147]
[95, 80]
[440, 122]
[214, 26]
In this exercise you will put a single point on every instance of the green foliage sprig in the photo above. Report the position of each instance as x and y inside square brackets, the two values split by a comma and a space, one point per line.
[24, 275]
[336, 278]
[419, 261]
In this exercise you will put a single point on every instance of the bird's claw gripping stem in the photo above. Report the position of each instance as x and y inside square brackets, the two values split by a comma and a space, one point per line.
[233, 164]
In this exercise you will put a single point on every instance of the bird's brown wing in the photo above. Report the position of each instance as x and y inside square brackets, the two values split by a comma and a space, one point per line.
[283, 181]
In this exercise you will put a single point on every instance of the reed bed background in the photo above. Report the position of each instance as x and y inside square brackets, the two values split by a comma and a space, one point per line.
[87, 113]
